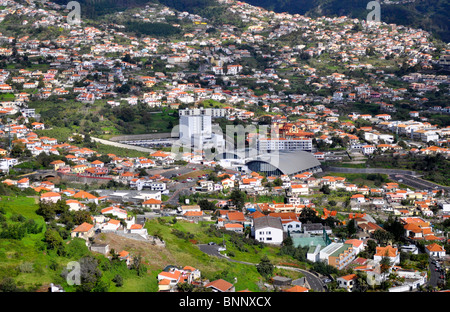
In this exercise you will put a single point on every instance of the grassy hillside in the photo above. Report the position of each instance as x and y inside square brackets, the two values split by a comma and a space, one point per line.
[28, 264]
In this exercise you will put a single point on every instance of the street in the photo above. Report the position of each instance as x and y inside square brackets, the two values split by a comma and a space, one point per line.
[314, 281]
[435, 273]
[416, 182]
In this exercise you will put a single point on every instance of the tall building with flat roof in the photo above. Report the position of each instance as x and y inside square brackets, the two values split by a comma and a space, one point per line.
[197, 131]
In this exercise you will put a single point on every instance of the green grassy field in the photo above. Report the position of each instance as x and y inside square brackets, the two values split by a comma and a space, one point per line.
[24, 259]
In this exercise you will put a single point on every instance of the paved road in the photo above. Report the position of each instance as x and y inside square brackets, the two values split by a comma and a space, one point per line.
[417, 182]
[367, 170]
[174, 198]
[132, 147]
[313, 280]
[435, 273]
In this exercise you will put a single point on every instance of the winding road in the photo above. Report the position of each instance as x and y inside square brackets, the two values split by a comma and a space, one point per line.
[313, 280]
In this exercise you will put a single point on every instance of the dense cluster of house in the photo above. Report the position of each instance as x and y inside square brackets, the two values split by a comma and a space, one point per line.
[338, 39]
[224, 80]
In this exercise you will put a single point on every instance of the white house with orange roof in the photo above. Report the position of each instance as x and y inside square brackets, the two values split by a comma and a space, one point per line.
[84, 230]
[75, 205]
[51, 197]
[115, 211]
[171, 276]
[435, 250]
[299, 189]
[368, 149]
[358, 245]
[23, 183]
[111, 225]
[358, 198]
[389, 252]
[152, 203]
[347, 281]
[220, 285]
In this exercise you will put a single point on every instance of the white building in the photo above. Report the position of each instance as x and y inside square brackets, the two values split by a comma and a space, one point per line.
[196, 130]
[213, 112]
[301, 144]
[268, 230]
[435, 250]
[389, 252]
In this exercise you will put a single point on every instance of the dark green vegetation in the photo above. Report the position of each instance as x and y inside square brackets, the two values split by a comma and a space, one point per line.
[101, 119]
[152, 29]
[430, 15]
[95, 8]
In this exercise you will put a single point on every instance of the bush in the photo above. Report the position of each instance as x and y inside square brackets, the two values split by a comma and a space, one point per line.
[26, 267]
[118, 280]
[265, 267]
[180, 234]
[8, 285]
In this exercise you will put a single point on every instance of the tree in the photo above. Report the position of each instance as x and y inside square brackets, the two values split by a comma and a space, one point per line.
[277, 182]
[8, 285]
[325, 189]
[351, 228]
[395, 227]
[385, 264]
[118, 280]
[237, 198]
[90, 274]
[185, 287]
[265, 267]
[361, 284]
[309, 215]
[206, 205]
[54, 241]
[138, 265]
[382, 236]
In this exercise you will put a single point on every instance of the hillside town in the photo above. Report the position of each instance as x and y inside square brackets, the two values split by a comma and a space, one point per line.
[353, 173]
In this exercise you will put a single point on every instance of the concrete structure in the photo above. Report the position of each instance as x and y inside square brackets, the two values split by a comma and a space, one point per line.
[280, 163]
[279, 144]
[196, 130]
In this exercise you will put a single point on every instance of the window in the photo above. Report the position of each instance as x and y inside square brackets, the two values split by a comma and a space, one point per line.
[269, 238]
[268, 233]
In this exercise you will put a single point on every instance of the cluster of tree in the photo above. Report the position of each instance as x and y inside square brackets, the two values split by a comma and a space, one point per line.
[182, 235]
[152, 29]
[309, 215]
[265, 267]
[288, 248]
[17, 226]
[244, 243]
[237, 198]
[56, 234]
[186, 287]
[13, 190]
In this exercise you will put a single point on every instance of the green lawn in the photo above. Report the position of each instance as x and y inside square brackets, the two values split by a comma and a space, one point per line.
[26, 206]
